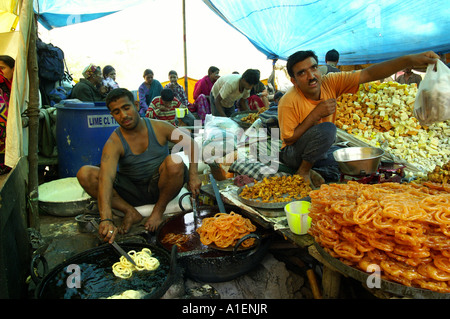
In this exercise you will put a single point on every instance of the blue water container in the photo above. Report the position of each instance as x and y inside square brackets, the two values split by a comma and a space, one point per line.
[82, 130]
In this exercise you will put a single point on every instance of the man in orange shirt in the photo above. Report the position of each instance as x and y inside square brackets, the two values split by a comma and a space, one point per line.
[307, 111]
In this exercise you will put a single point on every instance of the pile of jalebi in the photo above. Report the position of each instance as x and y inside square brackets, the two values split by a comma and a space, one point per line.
[175, 239]
[143, 259]
[402, 228]
[277, 189]
[224, 230]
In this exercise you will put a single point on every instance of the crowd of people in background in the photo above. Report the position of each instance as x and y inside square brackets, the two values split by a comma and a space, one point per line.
[213, 94]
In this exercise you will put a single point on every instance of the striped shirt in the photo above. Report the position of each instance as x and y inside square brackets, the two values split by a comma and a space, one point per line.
[154, 110]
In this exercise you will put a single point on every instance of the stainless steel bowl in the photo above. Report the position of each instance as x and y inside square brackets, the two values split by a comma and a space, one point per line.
[358, 161]
[63, 197]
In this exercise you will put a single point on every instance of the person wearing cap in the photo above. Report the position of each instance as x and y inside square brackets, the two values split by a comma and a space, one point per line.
[90, 88]
[307, 111]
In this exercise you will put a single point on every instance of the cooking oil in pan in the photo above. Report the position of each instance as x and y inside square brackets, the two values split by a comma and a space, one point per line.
[97, 281]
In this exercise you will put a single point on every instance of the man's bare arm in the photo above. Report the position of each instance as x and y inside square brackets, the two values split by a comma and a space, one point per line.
[218, 103]
[183, 141]
[385, 69]
[108, 168]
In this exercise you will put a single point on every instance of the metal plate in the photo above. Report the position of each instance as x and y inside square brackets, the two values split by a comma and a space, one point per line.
[386, 285]
[258, 203]
[237, 116]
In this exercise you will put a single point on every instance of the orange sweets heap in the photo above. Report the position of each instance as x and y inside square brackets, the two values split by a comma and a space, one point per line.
[403, 228]
[224, 230]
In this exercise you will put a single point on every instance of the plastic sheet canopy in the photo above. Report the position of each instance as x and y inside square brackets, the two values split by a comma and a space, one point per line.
[61, 13]
[362, 31]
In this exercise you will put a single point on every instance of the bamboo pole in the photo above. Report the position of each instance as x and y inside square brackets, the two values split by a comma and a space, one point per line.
[185, 50]
[33, 127]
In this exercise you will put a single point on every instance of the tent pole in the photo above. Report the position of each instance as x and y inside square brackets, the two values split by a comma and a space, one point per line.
[184, 45]
[33, 127]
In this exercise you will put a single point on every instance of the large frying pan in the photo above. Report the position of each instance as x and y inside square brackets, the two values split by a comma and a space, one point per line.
[97, 280]
[206, 263]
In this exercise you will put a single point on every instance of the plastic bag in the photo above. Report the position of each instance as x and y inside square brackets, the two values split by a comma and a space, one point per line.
[432, 102]
[220, 137]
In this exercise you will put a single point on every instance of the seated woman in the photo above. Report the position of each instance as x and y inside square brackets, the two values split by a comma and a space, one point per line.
[90, 89]
[7, 64]
[164, 108]
[109, 78]
[202, 90]
[258, 97]
[178, 90]
[147, 91]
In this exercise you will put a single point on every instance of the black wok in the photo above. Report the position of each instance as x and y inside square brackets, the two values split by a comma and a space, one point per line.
[96, 280]
[206, 264]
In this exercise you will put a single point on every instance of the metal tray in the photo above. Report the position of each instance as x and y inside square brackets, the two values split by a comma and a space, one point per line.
[386, 285]
[260, 204]
[237, 116]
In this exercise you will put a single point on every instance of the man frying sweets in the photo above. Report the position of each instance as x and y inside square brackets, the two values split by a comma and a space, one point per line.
[307, 111]
[136, 167]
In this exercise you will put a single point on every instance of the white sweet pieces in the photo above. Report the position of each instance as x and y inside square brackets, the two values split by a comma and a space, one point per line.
[381, 114]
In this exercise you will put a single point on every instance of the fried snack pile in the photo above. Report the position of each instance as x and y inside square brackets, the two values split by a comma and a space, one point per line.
[402, 228]
[277, 189]
[252, 117]
[224, 230]
[440, 174]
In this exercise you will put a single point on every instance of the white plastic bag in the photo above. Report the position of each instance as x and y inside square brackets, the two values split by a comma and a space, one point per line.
[432, 102]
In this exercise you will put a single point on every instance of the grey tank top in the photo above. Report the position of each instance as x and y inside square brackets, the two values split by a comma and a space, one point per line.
[139, 168]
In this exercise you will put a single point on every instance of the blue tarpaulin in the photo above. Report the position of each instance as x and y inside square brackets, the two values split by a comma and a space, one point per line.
[362, 31]
[60, 13]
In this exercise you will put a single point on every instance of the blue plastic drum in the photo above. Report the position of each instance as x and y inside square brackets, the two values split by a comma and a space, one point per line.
[82, 130]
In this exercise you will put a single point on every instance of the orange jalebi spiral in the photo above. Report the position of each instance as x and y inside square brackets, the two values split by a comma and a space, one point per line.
[403, 228]
[224, 230]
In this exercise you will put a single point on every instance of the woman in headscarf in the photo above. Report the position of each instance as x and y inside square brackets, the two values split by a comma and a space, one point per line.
[147, 91]
[7, 64]
[90, 88]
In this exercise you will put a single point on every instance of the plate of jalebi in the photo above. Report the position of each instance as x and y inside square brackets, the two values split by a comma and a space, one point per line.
[223, 231]
[403, 230]
[274, 192]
